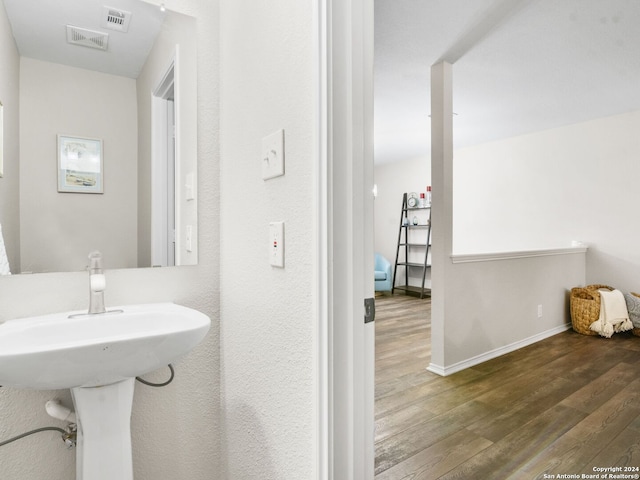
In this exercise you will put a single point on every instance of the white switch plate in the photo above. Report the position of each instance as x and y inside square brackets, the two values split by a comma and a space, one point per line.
[276, 244]
[190, 187]
[273, 155]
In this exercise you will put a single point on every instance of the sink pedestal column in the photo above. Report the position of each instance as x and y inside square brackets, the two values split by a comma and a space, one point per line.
[103, 449]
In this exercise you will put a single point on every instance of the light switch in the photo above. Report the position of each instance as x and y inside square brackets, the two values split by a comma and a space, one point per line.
[273, 155]
[190, 187]
[276, 244]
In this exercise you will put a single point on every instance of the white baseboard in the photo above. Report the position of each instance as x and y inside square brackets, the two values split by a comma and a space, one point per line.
[483, 357]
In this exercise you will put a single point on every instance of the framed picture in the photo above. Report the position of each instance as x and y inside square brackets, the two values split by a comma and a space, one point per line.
[80, 164]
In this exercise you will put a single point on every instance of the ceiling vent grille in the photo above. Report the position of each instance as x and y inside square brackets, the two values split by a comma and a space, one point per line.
[87, 38]
[115, 19]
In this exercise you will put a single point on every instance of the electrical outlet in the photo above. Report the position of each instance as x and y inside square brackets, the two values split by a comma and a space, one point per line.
[188, 240]
[276, 244]
[539, 311]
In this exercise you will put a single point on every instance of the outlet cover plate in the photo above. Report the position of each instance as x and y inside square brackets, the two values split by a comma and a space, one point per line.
[276, 244]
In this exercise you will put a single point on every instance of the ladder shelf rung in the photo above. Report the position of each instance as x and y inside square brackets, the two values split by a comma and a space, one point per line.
[413, 264]
[412, 290]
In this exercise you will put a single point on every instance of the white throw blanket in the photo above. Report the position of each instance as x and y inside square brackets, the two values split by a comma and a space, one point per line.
[4, 261]
[614, 316]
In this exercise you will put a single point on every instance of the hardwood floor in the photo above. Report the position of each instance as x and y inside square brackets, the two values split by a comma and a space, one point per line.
[563, 406]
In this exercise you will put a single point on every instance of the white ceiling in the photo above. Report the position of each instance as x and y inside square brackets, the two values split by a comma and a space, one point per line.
[519, 66]
[39, 28]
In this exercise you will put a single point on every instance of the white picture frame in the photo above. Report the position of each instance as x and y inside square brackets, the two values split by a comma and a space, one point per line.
[80, 164]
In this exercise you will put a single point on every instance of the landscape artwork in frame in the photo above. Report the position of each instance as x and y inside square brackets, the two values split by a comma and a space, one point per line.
[79, 164]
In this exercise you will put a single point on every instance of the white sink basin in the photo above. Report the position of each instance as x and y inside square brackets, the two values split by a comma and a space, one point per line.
[56, 351]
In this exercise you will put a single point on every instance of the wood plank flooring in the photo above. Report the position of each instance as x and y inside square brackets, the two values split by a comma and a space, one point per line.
[563, 406]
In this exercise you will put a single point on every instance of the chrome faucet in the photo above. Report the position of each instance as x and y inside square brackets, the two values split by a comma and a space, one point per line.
[97, 283]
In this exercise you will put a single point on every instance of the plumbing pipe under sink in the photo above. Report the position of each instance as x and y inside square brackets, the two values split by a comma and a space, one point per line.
[55, 410]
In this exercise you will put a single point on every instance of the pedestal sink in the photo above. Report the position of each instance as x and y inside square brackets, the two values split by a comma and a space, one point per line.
[98, 357]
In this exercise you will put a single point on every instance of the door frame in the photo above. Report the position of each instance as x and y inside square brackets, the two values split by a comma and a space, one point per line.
[344, 218]
[164, 157]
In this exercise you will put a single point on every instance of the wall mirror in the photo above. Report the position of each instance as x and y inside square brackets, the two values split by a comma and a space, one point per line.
[121, 73]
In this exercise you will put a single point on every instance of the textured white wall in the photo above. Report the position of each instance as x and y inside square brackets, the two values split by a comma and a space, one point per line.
[175, 429]
[58, 230]
[546, 189]
[267, 331]
[10, 182]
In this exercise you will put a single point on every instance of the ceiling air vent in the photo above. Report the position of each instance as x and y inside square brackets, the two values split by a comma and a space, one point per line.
[87, 38]
[115, 19]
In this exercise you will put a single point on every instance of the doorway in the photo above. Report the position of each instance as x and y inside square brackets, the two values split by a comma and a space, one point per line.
[163, 171]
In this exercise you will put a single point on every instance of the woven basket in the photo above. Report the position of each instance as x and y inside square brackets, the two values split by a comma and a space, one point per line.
[636, 331]
[585, 308]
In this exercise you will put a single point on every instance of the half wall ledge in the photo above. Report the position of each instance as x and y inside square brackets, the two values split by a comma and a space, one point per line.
[495, 256]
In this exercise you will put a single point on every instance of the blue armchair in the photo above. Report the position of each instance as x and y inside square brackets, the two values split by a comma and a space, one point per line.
[383, 282]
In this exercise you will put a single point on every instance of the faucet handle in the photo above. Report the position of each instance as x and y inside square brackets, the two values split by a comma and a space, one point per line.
[97, 282]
